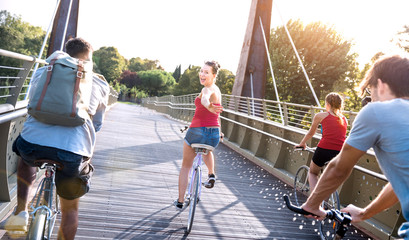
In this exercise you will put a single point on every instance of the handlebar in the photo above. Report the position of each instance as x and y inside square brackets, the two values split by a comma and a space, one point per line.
[344, 219]
[294, 208]
[305, 149]
[183, 129]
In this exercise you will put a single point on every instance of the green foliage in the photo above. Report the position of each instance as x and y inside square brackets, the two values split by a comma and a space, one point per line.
[20, 37]
[137, 64]
[156, 82]
[110, 63]
[325, 56]
[225, 81]
[402, 38]
[177, 73]
[189, 82]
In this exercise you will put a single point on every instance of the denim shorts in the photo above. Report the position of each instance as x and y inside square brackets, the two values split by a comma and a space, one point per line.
[203, 135]
[73, 180]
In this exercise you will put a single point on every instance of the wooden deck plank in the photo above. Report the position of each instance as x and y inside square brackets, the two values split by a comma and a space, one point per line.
[137, 160]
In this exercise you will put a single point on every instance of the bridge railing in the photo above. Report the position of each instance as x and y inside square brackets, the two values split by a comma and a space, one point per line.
[266, 131]
[14, 83]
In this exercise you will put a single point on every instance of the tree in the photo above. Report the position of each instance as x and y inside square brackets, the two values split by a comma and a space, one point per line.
[156, 82]
[20, 37]
[176, 74]
[109, 62]
[130, 79]
[188, 82]
[225, 81]
[325, 56]
[138, 64]
[402, 38]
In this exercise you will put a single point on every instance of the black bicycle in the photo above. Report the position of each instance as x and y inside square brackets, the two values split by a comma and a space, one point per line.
[343, 219]
[301, 192]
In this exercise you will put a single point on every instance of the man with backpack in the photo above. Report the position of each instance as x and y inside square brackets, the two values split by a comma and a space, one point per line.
[71, 145]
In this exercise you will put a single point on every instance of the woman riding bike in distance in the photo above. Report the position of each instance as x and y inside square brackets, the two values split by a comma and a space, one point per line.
[334, 128]
[204, 128]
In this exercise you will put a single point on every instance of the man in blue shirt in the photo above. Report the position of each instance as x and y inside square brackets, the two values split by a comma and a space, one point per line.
[71, 146]
[384, 126]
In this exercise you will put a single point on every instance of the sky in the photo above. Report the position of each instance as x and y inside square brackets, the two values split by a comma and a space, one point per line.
[192, 31]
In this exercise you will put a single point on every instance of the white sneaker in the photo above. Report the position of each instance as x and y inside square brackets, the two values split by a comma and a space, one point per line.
[17, 222]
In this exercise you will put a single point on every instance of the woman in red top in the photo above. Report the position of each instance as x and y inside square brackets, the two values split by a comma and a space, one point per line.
[204, 129]
[334, 129]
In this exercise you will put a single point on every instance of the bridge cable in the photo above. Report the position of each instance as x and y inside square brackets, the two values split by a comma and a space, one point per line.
[43, 46]
[271, 69]
[298, 57]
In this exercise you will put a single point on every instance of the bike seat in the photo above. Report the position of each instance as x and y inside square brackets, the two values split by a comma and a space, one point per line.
[40, 162]
[203, 146]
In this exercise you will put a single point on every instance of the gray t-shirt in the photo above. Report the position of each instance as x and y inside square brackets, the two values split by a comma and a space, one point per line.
[384, 126]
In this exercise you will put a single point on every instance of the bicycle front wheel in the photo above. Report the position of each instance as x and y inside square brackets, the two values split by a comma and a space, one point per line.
[193, 198]
[37, 226]
[301, 185]
[328, 227]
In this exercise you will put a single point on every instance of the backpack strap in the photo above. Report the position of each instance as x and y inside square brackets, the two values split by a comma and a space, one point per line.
[49, 73]
[80, 74]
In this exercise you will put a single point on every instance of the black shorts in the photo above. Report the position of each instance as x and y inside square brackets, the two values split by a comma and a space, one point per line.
[322, 156]
[73, 180]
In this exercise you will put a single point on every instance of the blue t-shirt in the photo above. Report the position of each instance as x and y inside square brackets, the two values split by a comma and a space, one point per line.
[384, 126]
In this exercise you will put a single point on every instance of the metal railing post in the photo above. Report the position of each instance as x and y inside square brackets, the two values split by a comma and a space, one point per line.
[19, 82]
[264, 109]
[285, 108]
[248, 106]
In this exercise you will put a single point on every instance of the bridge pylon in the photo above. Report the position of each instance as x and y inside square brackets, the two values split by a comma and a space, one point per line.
[63, 28]
[251, 72]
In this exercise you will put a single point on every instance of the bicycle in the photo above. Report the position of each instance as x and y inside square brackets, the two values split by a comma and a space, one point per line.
[46, 205]
[343, 219]
[195, 184]
[301, 191]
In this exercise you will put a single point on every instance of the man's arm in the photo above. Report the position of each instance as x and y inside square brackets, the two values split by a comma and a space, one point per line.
[386, 199]
[337, 171]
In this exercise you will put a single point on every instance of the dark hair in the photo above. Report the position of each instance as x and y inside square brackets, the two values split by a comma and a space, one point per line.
[215, 66]
[77, 46]
[393, 70]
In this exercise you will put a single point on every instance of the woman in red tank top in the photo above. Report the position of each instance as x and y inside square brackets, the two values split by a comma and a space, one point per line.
[204, 128]
[334, 129]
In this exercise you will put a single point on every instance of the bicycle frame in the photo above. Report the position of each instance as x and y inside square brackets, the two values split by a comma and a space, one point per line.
[197, 163]
[43, 204]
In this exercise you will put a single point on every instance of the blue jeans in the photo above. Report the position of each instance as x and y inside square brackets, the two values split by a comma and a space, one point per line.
[73, 180]
[203, 135]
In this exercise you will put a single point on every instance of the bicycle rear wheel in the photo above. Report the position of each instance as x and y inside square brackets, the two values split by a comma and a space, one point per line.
[328, 227]
[193, 198]
[301, 185]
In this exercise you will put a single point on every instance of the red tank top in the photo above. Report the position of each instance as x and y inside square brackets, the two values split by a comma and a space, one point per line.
[203, 117]
[333, 133]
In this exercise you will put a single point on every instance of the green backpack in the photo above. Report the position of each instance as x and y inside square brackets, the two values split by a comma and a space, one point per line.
[62, 94]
